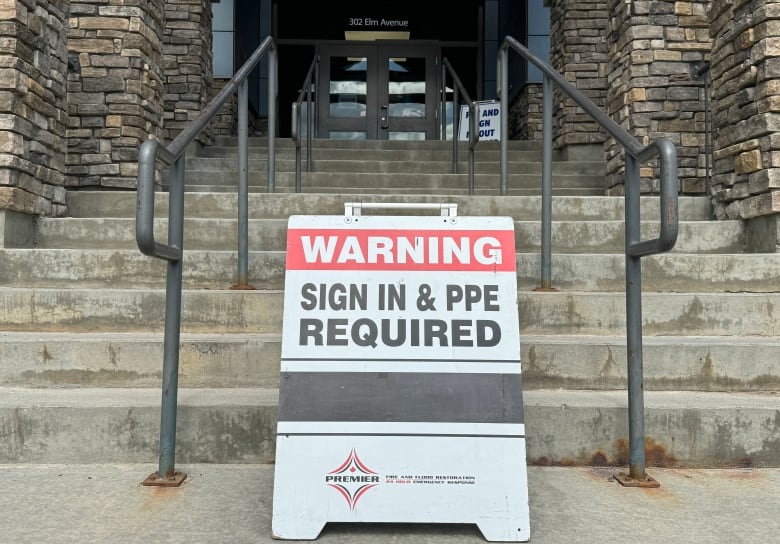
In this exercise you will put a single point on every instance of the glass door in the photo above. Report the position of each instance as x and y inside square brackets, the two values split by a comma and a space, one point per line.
[378, 91]
[407, 91]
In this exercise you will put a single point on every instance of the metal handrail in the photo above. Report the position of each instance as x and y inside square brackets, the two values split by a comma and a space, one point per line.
[635, 248]
[312, 74]
[458, 87]
[173, 157]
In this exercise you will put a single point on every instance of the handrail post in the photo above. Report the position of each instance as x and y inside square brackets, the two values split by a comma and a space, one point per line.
[296, 131]
[173, 156]
[309, 115]
[546, 255]
[242, 277]
[455, 128]
[503, 75]
[443, 102]
[166, 474]
[635, 247]
[272, 76]
[636, 418]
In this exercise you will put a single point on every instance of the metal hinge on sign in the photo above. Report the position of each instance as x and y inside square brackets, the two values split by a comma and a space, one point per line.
[352, 209]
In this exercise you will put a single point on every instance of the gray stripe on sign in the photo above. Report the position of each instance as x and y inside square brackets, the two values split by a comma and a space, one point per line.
[382, 396]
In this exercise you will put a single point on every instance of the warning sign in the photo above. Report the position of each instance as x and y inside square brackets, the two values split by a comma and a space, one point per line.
[401, 396]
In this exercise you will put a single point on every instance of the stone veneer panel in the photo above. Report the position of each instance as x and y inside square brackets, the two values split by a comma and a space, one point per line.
[651, 92]
[578, 49]
[115, 88]
[33, 59]
[525, 114]
[187, 63]
[745, 72]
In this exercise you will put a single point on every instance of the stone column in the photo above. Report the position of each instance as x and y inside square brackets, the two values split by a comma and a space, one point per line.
[578, 49]
[525, 114]
[33, 58]
[654, 45]
[115, 88]
[187, 63]
[746, 86]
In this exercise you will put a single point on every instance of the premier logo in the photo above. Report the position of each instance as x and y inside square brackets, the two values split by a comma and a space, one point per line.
[352, 479]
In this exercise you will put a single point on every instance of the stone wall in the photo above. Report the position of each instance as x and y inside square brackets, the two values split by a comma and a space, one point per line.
[525, 114]
[745, 73]
[225, 123]
[578, 49]
[33, 59]
[187, 63]
[653, 46]
[115, 88]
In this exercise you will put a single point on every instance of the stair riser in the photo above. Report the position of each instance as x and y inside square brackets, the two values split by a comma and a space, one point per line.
[271, 234]
[395, 145]
[78, 310]
[548, 363]
[218, 270]
[108, 204]
[124, 361]
[432, 166]
[260, 153]
[560, 434]
[398, 182]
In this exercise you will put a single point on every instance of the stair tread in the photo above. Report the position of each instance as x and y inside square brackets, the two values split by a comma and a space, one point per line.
[82, 397]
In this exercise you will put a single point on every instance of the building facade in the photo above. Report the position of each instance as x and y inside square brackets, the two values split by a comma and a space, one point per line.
[84, 82]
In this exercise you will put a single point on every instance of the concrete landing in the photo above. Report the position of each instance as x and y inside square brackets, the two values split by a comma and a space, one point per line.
[232, 504]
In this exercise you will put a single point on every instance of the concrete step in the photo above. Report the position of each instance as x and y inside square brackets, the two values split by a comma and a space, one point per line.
[217, 311]
[237, 425]
[368, 182]
[664, 314]
[358, 145]
[361, 165]
[672, 272]
[688, 363]
[270, 234]
[280, 205]
[115, 359]
[140, 310]
[402, 155]
[411, 192]
[711, 363]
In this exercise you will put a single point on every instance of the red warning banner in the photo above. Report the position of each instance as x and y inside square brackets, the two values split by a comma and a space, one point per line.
[410, 250]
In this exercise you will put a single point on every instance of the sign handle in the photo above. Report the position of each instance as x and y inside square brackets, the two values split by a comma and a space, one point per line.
[352, 209]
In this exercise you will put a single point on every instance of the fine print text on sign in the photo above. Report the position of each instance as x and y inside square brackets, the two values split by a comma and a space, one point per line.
[401, 394]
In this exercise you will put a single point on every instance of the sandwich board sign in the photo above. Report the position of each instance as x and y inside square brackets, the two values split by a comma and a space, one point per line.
[488, 124]
[400, 395]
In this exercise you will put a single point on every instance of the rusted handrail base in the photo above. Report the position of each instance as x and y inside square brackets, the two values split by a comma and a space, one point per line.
[153, 480]
[243, 287]
[542, 289]
[624, 479]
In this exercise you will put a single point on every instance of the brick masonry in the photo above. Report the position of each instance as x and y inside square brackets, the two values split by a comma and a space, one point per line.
[745, 73]
[115, 88]
[33, 115]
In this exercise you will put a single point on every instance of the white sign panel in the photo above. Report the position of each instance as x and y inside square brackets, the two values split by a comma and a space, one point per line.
[489, 123]
[401, 393]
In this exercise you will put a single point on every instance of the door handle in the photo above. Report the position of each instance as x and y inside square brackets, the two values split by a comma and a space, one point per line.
[383, 118]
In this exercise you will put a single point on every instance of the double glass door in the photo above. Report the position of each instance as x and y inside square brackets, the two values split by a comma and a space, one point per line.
[376, 90]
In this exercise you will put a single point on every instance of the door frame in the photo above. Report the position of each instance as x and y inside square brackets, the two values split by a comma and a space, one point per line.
[378, 54]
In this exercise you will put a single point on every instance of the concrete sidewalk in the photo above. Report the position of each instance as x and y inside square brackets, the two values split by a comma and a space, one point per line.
[232, 504]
